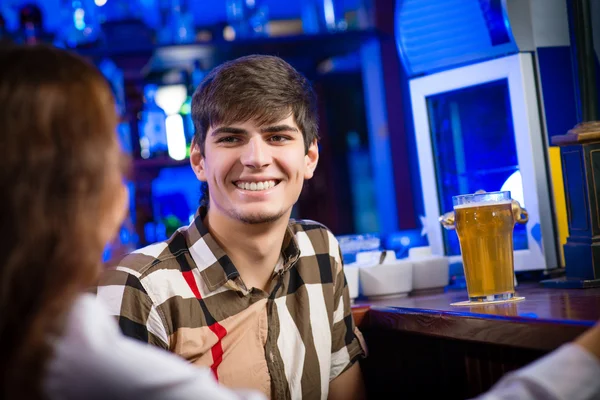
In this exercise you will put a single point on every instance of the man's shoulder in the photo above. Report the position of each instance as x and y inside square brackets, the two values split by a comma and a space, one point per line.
[305, 225]
[320, 237]
[155, 257]
[142, 261]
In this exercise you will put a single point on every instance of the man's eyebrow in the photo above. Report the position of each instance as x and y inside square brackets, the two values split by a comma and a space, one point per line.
[278, 128]
[229, 129]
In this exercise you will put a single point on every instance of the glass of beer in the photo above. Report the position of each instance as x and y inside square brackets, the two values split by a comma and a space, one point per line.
[484, 223]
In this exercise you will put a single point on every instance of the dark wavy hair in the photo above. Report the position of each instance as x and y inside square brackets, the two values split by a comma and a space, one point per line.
[57, 126]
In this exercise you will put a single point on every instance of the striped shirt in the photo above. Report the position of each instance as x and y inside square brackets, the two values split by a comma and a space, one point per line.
[186, 296]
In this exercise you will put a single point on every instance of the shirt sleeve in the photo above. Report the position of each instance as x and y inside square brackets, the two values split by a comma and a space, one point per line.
[124, 296]
[92, 360]
[348, 344]
[569, 373]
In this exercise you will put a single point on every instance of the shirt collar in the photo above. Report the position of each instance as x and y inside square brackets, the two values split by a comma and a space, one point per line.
[215, 266]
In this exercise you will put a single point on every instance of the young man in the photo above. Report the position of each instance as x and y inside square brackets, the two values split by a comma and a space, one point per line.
[259, 298]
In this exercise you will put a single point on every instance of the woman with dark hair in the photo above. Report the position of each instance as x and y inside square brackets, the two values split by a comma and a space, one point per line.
[62, 199]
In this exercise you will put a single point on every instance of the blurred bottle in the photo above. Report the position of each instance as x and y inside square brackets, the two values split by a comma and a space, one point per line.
[152, 127]
[236, 17]
[30, 24]
[176, 22]
[182, 22]
[323, 16]
[114, 75]
[196, 76]
[310, 17]
[258, 19]
[80, 25]
[247, 18]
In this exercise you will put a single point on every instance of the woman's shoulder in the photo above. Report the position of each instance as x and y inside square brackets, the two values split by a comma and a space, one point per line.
[83, 355]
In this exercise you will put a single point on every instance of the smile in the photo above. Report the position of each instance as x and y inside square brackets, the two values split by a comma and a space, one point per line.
[256, 186]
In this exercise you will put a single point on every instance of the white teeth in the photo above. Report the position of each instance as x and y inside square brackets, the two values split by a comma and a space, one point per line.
[255, 186]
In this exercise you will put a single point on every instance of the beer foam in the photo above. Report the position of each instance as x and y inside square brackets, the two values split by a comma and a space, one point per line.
[483, 204]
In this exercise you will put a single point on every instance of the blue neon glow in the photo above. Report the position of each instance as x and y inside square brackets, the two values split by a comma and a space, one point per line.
[78, 19]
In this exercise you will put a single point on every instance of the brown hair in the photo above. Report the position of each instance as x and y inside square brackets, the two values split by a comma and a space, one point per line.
[57, 121]
[259, 88]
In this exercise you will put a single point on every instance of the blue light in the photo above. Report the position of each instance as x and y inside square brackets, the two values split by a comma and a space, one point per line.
[329, 14]
[78, 19]
[529, 315]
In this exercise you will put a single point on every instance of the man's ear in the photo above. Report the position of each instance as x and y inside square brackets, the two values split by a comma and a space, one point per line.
[312, 159]
[197, 162]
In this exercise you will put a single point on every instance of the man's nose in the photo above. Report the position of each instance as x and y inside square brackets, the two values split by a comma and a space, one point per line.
[256, 153]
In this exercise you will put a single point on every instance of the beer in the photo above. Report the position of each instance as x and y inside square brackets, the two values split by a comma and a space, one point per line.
[485, 232]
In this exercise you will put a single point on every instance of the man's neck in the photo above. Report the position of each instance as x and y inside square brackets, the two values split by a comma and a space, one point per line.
[254, 249]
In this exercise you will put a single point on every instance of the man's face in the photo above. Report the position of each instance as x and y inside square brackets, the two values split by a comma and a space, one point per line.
[254, 173]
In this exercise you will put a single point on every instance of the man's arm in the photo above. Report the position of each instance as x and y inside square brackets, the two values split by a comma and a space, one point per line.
[346, 380]
[348, 385]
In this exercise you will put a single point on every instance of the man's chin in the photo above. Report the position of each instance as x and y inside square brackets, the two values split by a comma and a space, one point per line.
[259, 217]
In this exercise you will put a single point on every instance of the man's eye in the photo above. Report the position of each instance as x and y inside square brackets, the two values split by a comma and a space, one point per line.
[278, 138]
[228, 139]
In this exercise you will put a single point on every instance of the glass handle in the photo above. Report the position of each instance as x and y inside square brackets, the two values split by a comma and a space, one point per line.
[447, 220]
[520, 214]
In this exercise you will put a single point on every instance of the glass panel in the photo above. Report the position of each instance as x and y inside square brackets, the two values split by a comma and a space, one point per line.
[474, 148]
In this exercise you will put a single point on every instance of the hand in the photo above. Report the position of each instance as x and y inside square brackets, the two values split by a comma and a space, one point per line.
[348, 385]
[590, 340]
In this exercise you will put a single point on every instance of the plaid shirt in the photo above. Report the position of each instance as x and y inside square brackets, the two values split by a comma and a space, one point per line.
[185, 295]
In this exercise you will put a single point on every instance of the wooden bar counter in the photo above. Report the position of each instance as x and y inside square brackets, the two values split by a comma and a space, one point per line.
[421, 346]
